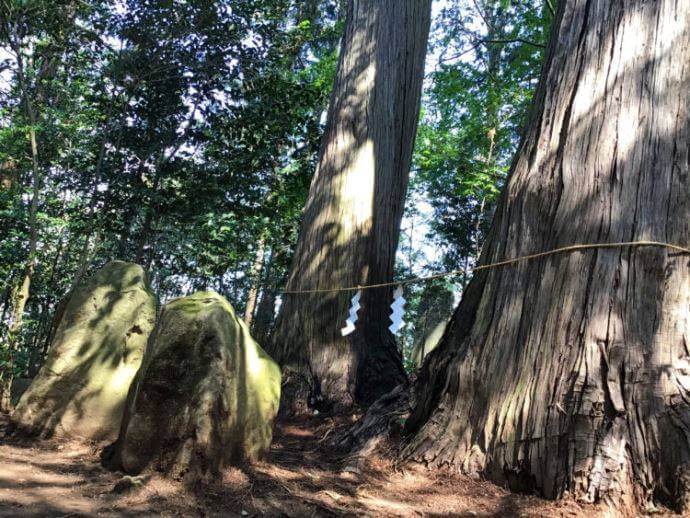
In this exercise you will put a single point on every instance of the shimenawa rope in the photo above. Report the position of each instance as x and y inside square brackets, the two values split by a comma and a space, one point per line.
[571, 248]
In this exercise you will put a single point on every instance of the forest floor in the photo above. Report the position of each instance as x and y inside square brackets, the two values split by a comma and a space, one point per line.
[301, 476]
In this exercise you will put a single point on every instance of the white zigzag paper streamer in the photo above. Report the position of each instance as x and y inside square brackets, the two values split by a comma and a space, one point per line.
[398, 308]
[352, 318]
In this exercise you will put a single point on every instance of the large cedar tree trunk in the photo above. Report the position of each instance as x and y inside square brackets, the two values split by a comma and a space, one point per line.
[571, 373]
[351, 222]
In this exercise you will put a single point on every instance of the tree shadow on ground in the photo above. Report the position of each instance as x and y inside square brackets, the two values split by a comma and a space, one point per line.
[300, 476]
[304, 475]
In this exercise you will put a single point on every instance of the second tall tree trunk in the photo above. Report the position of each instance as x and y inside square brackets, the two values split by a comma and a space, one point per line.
[351, 222]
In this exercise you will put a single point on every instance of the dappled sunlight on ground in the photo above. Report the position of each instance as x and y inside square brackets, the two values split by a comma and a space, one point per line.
[301, 476]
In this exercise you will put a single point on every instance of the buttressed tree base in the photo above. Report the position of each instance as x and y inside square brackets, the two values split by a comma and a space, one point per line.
[206, 395]
[98, 347]
[569, 374]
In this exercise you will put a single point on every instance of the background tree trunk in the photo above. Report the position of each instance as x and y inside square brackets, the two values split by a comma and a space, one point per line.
[263, 321]
[351, 222]
[571, 372]
[265, 316]
[257, 268]
[23, 289]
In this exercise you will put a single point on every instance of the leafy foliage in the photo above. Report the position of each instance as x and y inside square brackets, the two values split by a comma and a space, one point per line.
[170, 134]
[485, 57]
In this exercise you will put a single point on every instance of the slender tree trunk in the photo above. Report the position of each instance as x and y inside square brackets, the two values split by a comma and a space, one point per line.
[43, 329]
[92, 231]
[265, 311]
[570, 372]
[22, 291]
[7, 297]
[482, 205]
[257, 267]
[86, 255]
[496, 19]
[152, 207]
[265, 315]
[145, 233]
[351, 223]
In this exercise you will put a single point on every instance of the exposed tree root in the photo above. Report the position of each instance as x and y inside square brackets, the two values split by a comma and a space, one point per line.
[382, 422]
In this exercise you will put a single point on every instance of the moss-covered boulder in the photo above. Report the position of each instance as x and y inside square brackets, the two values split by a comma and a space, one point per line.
[96, 351]
[205, 397]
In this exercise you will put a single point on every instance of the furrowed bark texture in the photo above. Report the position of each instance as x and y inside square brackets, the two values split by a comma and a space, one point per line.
[351, 222]
[571, 372]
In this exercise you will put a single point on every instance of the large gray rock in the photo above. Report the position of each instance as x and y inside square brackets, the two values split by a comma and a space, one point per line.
[97, 349]
[206, 395]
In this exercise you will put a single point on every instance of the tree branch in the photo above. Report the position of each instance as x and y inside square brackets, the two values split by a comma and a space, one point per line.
[517, 40]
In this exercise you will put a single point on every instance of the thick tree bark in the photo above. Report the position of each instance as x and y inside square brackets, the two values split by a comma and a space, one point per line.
[570, 373]
[351, 222]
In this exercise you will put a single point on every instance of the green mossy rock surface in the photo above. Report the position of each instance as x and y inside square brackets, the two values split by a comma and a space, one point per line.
[97, 350]
[206, 395]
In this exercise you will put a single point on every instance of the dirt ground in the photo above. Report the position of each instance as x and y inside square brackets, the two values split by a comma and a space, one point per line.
[300, 477]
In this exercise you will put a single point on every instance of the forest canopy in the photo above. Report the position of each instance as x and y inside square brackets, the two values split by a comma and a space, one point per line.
[183, 137]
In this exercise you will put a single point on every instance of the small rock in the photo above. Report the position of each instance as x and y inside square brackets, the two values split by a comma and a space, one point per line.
[128, 483]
